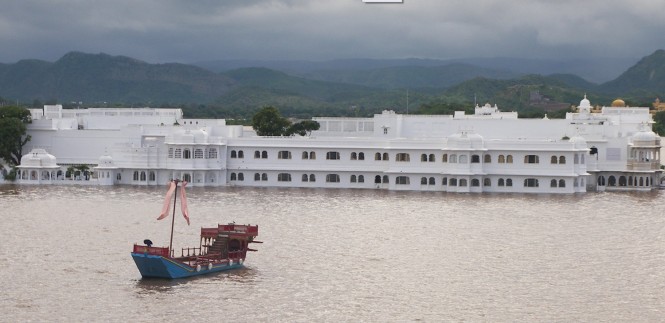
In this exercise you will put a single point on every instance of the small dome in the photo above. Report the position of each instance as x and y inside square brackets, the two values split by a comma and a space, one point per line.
[465, 140]
[645, 136]
[190, 136]
[38, 158]
[618, 103]
[106, 160]
[585, 102]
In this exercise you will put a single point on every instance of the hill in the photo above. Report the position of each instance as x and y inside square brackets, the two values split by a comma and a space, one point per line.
[646, 79]
[101, 77]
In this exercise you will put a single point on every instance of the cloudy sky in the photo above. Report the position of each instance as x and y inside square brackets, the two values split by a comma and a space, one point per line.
[189, 31]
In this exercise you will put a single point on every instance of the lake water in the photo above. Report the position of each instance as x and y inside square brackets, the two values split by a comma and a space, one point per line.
[338, 255]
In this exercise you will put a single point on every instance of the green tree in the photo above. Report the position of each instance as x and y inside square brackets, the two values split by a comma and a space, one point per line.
[269, 122]
[302, 128]
[659, 125]
[13, 136]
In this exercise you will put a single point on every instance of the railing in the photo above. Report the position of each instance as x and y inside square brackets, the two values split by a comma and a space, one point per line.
[191, 252]
[157, 251]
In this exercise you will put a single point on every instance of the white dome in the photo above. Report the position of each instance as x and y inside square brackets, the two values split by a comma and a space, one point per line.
[645, 136]
[38, 158]
[579, 142]
[190, 136]
[106, 160]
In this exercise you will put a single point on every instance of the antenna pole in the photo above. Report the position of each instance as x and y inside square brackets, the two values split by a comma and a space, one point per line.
[175, 197]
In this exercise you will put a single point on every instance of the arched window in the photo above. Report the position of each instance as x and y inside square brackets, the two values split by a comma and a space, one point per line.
[361, 179]
[152, 176]
[257, 177]
[136, 175]
[353, 178]
[377, 156]
[186, 154]
[283, 177]
[386, 179]
[187, 177]
[233, 176]
[487, 182]
[257, 154]
[361, 156]
[264, 177]
[444, 158]
[423, 157]
[312, 155]
[118, 177]
[234, 154]
[488, 159]
[305, 155]
[622, 181]
[432, 181]
[553, 160]
[432, 158]
[212, 153]
[264, 154]
[502, 159]
[402, 180]
[612, 181]
[453, 159]
[601, 180]
[444, 181]
[553, 183]
[509, 159]
[241, 176]
[304, 177]
[475, 159]
[312, 178]
[562, 183]
[143, 176]
[562, 159]
[475, 181]
[509, 182]
[423, 181]
[462, 182]
[385, 156]
[377, 179]
[501, 182]
[453, 182]
[576, 159]
[354, 156]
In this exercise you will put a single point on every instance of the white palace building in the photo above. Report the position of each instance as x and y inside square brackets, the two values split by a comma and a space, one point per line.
[489, 151]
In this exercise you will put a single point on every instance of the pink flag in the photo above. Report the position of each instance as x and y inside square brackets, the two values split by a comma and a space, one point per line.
[167, 202]
[183, 203]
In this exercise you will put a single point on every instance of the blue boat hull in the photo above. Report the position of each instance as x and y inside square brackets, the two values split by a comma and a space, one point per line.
[161, 267]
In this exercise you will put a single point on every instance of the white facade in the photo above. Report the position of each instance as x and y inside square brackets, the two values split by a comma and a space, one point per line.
[489, 151]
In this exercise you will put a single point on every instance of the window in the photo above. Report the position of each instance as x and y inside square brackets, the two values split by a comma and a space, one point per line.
[385, 131]
[257, 154]
[531, 159]
[312, 155]
[212, 153]
[151, 176]
[354, 156]
[509, 159]
[488, 159]
[198, 153]
[444, 181]
[453, 182]
[487, 182]
[234, 154]
[377, 179]
[553, 183]
[233, 176]
[118, 177]
[178, 153]
[312, 178]
[402, 157]
[241, 176]
[475, 159]
[553, 160]
[462, 182]
[353, 178]
[501, 182]
[283, 177]
[530, 182]
[361, 156]
[386, 179]
[136, 175]
[463, 159]
[257, 177]
[502, 159]
[402, 180]
[453, 159]
[332, 178]
[475, 182]
[305, 155]
[444, 158]
[361, 179]
[305, 178]
[332, 155]
[385, 156]
[562, 183]
[423, 181]
[143, 176]
[264, 177]
[186, 154]
[423, 157]
[431, 158]
[264, 154]
[509, 182]
[284, 154]
[432, 181]
[170, 152]
[377, 156]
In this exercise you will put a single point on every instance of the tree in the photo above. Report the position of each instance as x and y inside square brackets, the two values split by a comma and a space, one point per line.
[13, 133]
[303, 128]
[269, 122]
[659, 125]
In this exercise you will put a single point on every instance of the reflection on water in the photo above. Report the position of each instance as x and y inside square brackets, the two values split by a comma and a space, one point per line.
[338, 255]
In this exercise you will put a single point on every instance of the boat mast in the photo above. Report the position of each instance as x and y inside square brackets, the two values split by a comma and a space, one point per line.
[175, 197]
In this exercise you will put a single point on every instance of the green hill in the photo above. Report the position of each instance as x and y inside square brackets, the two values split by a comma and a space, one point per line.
[646, 79]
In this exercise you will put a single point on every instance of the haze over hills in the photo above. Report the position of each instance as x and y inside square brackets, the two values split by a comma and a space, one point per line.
[370, 87]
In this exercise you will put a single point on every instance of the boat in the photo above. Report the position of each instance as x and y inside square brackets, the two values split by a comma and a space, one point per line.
[221, 248]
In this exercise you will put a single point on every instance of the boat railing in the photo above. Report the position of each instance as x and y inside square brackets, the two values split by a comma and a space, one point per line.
[190, 252]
